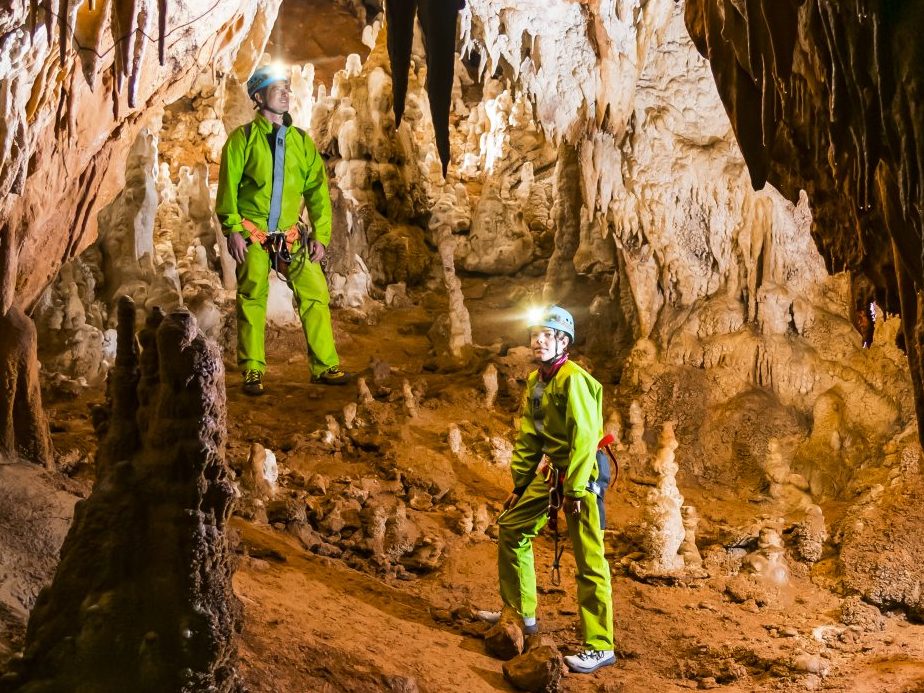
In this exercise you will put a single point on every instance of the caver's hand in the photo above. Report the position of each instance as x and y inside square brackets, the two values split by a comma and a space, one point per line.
[237, 248]
[316, 250]
[511, 501]
[572, 506]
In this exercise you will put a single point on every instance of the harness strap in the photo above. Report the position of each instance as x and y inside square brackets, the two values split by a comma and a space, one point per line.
[279, 170]
[259, 235]
[556, 498]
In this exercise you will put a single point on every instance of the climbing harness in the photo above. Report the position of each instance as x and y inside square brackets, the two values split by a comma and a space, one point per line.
[555, 480]
[279, 245]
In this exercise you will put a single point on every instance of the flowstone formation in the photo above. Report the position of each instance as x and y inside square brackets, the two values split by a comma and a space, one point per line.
[159, 244]
[80, 81]
[824, 97]
[142, 597]
[669, 526]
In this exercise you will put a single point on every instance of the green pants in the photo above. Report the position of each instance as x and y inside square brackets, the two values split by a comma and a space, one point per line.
[516, 567]
[307, 281]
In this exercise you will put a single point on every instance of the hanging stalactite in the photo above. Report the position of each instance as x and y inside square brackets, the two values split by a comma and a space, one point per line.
[438, 21]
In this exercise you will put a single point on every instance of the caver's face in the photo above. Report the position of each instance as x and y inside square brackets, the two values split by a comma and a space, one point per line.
[547, 344]
[277, 96]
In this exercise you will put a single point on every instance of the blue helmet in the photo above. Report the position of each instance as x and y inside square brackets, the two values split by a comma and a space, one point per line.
[554, 317]
[264, 76]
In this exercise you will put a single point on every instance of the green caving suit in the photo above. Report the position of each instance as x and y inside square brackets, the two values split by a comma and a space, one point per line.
[245, 183]
[567, 427]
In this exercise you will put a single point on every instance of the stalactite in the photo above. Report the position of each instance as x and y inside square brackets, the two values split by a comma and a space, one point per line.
[162, 9]
[125, 25]
[137, 58]
[399, 16]
[438, 20]
[32, 19]
[64, 31]
[50, 12]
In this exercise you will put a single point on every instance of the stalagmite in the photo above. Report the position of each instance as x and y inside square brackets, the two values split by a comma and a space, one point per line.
[787, 488]
[613, 427]
[637, 445]
[664, 527]
[688, 550]
[460, 328]
[349, 415]
[410, 401]
[365, 396]
[157, 516]
[261, 473]
[455, 440]
[489, 378]
[768, 562]
[23, 426]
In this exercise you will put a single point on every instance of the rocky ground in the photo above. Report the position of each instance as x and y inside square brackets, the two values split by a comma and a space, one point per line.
[360, 570]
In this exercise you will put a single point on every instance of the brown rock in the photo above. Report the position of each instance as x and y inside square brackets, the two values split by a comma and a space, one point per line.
[505, 639]
[23, 427]
[286, 510]
[539, 669]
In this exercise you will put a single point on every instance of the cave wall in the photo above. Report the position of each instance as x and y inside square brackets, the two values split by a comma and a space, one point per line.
[826, 97]
[77, 88]
[78, 81]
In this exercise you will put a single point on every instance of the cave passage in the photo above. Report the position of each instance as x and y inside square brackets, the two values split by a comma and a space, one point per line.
[221, 471]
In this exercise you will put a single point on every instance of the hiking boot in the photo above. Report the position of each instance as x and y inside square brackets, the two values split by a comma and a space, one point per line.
[488, 616]
[530, 626]
[332, 376]
[253, 383]
[590, 660]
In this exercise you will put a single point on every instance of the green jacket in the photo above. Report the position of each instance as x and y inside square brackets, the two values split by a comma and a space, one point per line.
[571, 416]
[245, 181]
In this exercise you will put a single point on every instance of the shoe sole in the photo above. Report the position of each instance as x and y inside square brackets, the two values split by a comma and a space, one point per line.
[321, 381]
[590, 670]
[251, 393]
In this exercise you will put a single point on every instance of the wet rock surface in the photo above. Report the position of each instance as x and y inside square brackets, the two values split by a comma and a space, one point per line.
[158, 610]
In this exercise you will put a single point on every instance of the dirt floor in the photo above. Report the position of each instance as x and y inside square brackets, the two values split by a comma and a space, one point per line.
[342, 622]
[316, 623]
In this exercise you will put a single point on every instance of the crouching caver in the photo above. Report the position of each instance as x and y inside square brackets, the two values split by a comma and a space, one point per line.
[555, 459]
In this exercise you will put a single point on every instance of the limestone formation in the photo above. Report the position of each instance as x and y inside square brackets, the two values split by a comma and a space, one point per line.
[836, 129]
[664, 530]
[23, 426]
[810, 535]
[460, 328]
[637, 444]
[410, 400]
[786, 488]
[689, 552]
[157, 610]
[364, 394]
[768, 561]
[489, 378]
[58, 189]
[261, 473]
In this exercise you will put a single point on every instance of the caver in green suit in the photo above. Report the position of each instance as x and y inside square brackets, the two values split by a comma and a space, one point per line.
[244, 191]
[563, 420]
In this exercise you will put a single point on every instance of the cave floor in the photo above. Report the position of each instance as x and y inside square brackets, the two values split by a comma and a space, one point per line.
[315, 623]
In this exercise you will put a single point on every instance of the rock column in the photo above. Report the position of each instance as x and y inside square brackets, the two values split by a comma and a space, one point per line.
[142, 598]
[23, 428]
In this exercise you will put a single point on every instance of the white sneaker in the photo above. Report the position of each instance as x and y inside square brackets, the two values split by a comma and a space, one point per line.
[590, 660]
[530, 627]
